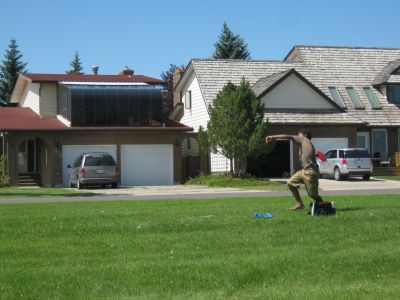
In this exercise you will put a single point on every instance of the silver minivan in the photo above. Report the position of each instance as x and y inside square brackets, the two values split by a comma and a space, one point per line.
[94, 168]
[342, 163]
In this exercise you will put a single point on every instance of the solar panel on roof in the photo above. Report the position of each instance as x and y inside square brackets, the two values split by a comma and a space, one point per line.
[336, 96]
[371, 97]
[354, 97]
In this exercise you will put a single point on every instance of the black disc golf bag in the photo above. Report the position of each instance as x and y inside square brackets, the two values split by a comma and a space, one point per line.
[322, 208]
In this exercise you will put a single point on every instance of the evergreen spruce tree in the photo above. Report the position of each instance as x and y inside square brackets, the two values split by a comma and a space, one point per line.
[230, 46]
[76, 65]
[10, 68]
[167, 76]
[236, 127]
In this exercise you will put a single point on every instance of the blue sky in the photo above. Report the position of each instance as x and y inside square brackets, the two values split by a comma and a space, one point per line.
[149, 35]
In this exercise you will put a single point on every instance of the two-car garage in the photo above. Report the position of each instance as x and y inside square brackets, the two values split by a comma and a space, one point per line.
[141, 164]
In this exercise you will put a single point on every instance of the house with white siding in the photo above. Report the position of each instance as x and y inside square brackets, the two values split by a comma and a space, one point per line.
[346, 96]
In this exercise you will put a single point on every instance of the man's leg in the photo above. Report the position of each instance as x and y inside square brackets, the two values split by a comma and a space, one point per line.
[311, 183]
[293, 185]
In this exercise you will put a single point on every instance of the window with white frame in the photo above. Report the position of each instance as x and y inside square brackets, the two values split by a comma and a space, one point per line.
[188, 100]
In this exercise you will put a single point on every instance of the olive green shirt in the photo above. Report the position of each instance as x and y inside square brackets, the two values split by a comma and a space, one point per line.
[306, 151]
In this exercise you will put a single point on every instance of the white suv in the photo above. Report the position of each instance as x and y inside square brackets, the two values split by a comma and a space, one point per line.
[342, 163]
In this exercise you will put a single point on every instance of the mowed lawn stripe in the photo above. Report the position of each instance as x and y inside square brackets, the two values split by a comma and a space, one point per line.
[200, 249]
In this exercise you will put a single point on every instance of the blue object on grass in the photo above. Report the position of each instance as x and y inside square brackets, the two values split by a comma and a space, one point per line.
[261, 215]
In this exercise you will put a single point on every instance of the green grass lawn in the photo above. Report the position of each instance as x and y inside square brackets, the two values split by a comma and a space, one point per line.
[392, 177]
[224, 180]
[200, 249]
[15, 192]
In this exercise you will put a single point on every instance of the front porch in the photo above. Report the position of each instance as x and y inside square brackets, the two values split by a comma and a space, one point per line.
[30, 157]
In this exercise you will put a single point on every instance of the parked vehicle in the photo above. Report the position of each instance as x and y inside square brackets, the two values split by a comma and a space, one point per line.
[342, 163]
[94, 168]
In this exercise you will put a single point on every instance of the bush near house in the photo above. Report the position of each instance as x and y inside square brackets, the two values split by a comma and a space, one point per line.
[4, 178]
[225, 180]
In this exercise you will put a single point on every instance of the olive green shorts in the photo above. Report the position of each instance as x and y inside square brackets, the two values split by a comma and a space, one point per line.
[309, 177]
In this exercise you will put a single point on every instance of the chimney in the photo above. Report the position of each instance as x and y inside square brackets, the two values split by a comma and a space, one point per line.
[95, 70]
[126, 72]
[175, 78]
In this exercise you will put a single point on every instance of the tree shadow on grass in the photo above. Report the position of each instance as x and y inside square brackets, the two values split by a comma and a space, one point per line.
[346, 209]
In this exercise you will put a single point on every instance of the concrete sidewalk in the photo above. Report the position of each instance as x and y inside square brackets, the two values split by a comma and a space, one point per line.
[328, 187]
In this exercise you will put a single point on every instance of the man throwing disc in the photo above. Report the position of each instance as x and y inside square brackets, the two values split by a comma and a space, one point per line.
[309, 174]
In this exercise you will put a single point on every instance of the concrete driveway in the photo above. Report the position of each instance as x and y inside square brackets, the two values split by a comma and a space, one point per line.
[358, 184]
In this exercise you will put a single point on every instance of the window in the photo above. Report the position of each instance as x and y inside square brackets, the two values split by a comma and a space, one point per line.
[331, 154]
[393, 94]
[363, 140]
[398, 139]
[356, 154]
[188, 99]
[379, 143]
[371, 97]
[354, 97]
[77, 162]
[99, 161]
[93, 105]
[336, 96]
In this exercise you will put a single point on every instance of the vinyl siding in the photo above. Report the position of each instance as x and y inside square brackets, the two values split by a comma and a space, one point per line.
[293, 93]
[197, 115]
[219, 163]
[48, 99]
[30, 97]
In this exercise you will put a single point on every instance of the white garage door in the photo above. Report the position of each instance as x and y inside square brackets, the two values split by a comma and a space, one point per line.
[71, 152]
[147, 165]
[325, 144]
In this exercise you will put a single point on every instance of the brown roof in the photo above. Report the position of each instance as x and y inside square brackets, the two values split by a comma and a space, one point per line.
[91, 78]
[23, 118]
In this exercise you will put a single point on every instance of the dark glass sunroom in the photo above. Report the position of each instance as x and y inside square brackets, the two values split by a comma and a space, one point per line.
[97, 105]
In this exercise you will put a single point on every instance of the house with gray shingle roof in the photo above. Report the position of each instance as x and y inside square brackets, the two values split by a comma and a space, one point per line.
[346, 96]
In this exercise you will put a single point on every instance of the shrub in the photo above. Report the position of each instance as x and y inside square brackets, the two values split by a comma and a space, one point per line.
[225, 180]
[4, 178]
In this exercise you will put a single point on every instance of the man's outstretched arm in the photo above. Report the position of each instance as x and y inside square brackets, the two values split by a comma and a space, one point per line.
[270, 138]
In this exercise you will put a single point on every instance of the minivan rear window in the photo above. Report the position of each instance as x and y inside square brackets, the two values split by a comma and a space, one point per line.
[97, 161]
[357, 154]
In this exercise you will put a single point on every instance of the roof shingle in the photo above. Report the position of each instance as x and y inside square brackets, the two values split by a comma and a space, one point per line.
[322, 66]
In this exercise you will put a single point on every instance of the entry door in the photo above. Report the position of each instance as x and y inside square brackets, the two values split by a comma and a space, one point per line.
[363, 140]
[27, 157]
[379, 144]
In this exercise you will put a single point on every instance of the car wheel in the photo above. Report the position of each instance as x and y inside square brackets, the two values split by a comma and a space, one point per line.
[71, 185]
[337, 175]
[114, 185]
[79, 185]
[367, 177]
